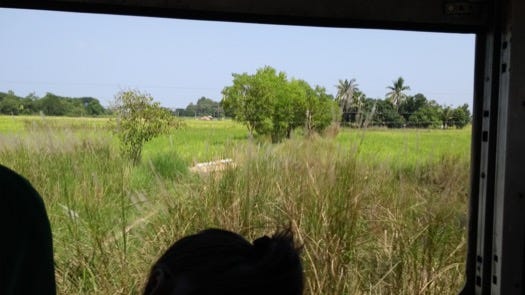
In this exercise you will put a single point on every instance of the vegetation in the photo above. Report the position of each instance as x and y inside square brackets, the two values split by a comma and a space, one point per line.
[50, 105]
[138, 120]
[397, 110]
[348, 97]
[267, 103]
[203, 107]
[397, 92]
[378, 212]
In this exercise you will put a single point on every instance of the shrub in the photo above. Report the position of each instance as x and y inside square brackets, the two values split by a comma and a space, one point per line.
[139, 119]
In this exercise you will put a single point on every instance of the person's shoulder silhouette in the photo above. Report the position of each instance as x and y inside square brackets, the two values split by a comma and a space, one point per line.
[26, 259]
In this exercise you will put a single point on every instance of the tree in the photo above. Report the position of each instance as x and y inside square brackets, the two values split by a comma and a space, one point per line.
[323, 110]
[461, 116]
[345, 96]
[384, 113]
[204, 107]
[425, 117]
[371, 112]
[29, 104]
[358, 103]
[52, 105]
[93, 108]
[446, 117]
[396, 95]
[207, 107]
[392, 119]
[289, 110]
[253, 99]
[411, 104]
[10, 104]
[268, 104]
[138, 120]
[242, 101]
[272, 88]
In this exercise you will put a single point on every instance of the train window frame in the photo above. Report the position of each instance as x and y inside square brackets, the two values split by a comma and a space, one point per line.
[496, 233]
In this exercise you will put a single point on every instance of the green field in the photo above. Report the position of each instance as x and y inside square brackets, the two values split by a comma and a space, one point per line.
[378, 211]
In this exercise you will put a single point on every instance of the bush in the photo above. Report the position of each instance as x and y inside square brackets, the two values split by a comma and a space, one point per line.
[139, 119]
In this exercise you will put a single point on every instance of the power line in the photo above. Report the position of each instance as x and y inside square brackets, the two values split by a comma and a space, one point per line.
[105, 84]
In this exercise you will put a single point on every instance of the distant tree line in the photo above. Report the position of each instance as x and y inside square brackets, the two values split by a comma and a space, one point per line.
[204, 107]
[269, 103]
[397, 109]
[50, 105]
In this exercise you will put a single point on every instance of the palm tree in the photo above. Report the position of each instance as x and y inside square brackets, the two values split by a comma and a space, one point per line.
[345, 93]
[358, 104]
[446, 117]
[396, 94]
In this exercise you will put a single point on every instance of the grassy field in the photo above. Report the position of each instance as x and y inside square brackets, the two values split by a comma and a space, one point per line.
[378, 212]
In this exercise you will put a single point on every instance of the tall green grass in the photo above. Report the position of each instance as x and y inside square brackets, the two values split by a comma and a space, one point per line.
[366, 229]
[371, 222]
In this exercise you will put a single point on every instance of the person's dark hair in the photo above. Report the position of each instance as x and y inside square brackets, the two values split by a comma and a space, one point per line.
[221, 262]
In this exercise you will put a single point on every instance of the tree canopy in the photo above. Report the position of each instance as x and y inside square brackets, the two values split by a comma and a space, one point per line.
[397, 95]
[398, 109]
[138, 120]
[204, 107]
[268, 103]
[50, 104]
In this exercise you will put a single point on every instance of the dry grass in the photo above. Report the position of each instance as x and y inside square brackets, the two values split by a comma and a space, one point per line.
[368, 227]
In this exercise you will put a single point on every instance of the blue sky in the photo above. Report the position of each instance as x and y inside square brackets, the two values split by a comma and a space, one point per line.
[178, 61]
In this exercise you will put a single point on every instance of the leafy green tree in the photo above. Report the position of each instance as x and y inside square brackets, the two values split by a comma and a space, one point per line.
[461, 116]
[94, 108]
[191, 110]
[268, 104]
[204, 107]
[426, 117]
[323, 110]
[411, 104]
[208, 107]
[289, 107]
[138, 120]
[251, 99]
[52, 105]
[392, 119]
[245, 101]
[273, 87]
[29, 104]
[386, 115]
[73, 107]
[397, 95]
[10, 104]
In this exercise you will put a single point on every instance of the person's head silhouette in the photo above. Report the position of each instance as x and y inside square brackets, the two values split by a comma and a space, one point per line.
[221, 262]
